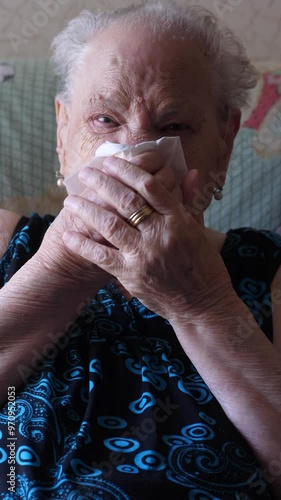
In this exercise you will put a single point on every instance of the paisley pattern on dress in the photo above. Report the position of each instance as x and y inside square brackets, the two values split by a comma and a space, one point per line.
[116, 410]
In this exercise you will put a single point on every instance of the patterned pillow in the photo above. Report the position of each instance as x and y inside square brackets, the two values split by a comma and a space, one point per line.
[28, 159]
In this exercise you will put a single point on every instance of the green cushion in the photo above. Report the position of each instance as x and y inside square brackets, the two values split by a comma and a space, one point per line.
[28, 159]
[28, 155]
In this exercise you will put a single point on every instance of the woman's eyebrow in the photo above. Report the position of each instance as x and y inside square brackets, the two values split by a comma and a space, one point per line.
[194, 112]
[117, 103]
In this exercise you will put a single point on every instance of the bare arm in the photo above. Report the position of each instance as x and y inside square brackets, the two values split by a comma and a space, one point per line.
[243, 370]
[38, 305]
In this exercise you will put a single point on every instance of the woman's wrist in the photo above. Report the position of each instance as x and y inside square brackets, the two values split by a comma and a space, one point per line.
[65, 269]
[221, 305]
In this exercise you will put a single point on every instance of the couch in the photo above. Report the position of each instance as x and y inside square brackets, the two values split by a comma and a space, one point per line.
[28, 159]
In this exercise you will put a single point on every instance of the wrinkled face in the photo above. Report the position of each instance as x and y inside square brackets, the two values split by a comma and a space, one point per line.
[132, 88]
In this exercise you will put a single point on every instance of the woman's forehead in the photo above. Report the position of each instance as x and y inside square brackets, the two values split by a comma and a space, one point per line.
[121, 47]
[168, 66]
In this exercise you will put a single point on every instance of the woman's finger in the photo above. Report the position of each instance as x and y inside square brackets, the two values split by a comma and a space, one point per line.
[108, 259]
[122, 199]
[147, 185]
[150, 161]
[143, 187]
[114, 229]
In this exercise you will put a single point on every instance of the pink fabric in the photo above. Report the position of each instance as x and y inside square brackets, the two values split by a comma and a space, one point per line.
[269, 96]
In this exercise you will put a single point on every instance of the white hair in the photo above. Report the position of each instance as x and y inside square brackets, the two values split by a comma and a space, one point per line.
[235, 76]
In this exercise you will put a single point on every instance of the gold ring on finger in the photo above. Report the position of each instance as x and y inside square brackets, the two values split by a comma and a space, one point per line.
[140, 215]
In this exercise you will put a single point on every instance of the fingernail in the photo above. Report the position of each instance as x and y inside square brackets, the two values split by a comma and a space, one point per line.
[69, 201]
[85, 173]
[110, 161]
[67, 236]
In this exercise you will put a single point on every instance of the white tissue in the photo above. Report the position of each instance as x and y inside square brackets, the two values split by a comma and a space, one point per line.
[169, 147]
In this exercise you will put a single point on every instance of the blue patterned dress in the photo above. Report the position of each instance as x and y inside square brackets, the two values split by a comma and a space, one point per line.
[118, 412]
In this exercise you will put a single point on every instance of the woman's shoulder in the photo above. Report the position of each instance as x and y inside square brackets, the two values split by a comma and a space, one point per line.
[20, 238]
[261, 238]
[248, 249]
[8, 223]
[11, 224]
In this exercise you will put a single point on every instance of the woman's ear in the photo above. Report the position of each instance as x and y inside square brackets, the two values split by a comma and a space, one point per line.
[62, 117]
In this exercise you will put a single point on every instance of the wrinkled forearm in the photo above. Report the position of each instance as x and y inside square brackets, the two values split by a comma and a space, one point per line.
[243, 371]
[37, 306]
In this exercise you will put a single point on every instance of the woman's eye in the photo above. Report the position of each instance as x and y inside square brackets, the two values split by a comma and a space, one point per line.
[106, 121]
[177, 127]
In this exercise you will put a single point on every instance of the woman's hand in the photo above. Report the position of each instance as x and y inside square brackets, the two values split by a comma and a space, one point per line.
[64, 264]
[53, 254]
[167, 262]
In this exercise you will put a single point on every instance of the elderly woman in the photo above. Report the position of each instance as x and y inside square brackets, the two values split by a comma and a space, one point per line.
[140, 350]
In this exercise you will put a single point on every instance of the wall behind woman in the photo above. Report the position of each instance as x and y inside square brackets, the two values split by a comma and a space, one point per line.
[27, 141]
[28, 26]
